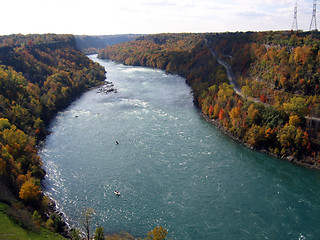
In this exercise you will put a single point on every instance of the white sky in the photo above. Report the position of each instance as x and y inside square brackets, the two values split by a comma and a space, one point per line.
[102, 17]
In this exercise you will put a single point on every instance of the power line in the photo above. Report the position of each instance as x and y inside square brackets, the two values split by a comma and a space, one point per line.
[295, 18]
[314, 16]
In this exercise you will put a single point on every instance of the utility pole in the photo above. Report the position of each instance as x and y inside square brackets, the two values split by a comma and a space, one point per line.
[295, 18]
[314, 16]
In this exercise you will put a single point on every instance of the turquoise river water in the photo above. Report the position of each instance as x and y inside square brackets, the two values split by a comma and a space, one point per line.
[172, 168]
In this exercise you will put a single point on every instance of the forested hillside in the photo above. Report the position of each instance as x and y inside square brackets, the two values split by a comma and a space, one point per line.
[278, 106]
[39, 75]
[92, 44]
[184, 54]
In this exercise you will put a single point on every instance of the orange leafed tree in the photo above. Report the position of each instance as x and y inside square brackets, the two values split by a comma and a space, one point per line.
[263, 98]
[211, 110]
[222, 114]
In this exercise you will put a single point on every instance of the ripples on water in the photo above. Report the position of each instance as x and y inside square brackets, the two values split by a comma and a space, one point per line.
[172, 168]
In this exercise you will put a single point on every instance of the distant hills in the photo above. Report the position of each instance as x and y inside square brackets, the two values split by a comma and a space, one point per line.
[92, 44]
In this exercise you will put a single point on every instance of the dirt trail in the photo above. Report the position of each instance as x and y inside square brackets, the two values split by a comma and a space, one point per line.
[233, 82]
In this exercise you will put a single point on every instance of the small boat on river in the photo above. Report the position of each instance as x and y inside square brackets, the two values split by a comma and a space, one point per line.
[116, 192]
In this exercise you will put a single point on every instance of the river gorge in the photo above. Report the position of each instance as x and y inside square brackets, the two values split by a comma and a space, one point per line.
[172, 168]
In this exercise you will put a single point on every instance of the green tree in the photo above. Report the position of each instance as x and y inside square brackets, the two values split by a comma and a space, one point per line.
[255, 135]
[58, 224]
[36, 218]
[98, 234]
[286, 137]
[50, 224]
[4, 124]
[75, 234]
[297, 106]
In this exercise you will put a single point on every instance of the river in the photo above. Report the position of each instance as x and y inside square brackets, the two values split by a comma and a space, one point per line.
[172, 168]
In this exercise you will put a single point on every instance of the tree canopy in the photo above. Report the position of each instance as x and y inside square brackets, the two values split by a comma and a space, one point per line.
[39, 75]
[277, 71]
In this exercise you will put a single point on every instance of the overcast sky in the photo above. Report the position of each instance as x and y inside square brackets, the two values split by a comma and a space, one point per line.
[101, 17]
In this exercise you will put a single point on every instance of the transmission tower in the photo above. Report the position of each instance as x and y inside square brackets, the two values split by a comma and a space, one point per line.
[314, 16]
[295, 18]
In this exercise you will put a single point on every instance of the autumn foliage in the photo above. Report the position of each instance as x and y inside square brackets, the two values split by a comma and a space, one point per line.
[158, 233]
[29, 191]
[39, 75]
[277, 71]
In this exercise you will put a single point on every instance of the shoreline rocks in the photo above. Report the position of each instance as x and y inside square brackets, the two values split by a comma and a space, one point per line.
[108, 87]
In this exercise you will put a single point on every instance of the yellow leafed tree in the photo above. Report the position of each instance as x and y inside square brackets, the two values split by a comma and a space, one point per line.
[159, 233]
[29, 191]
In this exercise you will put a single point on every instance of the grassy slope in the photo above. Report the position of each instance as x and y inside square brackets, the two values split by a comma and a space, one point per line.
[10, 230]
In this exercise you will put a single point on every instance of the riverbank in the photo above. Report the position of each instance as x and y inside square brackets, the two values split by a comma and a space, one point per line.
[279, 129]
[103, 88]
[306, 162]
[173, 169]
